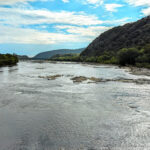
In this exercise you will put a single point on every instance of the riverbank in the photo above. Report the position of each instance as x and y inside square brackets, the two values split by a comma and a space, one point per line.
[139, 71]
[132, 69]
[8, 60]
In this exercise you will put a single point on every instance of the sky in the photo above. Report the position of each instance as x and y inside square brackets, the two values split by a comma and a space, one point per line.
[28, 27]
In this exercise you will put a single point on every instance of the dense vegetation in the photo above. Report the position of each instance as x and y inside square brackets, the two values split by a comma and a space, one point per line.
[8, 59]
[137, 56]
[131, 35]
[23, 57]
[66, 57]
[49, 54]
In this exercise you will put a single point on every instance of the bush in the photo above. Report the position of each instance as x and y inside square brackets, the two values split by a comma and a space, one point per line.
[90, 59]
[143, 59]
[143, 65]
[128, 56]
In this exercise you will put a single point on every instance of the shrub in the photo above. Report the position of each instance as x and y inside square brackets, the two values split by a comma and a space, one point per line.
[128, 56]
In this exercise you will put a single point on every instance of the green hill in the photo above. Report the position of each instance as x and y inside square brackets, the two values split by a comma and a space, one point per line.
[127, 44]
[49, 54]
[129, 35]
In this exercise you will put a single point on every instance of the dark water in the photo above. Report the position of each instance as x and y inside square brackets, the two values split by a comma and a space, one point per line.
[41, 114]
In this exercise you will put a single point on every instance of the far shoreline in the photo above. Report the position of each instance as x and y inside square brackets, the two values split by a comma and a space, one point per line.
[131, 69]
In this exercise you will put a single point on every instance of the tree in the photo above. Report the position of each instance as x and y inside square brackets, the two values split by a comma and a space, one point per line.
[127, 56]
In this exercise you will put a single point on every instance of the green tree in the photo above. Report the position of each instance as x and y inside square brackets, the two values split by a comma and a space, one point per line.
[128, 56]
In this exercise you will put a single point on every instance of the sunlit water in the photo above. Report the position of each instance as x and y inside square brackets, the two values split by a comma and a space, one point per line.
[41, 114]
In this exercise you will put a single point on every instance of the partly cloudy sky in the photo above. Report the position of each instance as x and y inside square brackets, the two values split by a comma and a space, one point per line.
[32, 26]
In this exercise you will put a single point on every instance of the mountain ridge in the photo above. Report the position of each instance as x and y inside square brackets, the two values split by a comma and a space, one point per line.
[126, 36]
[49, 54]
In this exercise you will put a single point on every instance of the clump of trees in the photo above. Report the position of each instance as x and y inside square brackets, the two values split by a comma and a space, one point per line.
[137, 56]
[8, 59]
[66, 57]
[128, 56]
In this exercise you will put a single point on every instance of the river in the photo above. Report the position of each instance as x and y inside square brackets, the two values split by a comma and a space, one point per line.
[41, 114]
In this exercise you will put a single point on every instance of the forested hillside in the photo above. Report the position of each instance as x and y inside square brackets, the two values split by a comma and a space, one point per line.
[49, 54]
[127, 44]
[136, 34]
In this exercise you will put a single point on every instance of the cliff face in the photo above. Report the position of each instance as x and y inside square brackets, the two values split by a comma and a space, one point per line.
[129, 35]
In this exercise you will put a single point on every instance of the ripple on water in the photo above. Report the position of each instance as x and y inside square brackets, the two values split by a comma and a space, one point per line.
[41, 114]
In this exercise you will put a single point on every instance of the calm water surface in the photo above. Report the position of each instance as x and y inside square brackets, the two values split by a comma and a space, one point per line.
[41, 114]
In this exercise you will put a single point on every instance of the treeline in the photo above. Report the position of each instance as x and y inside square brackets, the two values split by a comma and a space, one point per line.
[137, 56]
[66, 57]
[8, 59]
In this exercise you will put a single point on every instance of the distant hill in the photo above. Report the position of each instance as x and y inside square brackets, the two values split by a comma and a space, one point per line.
[23, 57]
[49, 54]
[136, 34]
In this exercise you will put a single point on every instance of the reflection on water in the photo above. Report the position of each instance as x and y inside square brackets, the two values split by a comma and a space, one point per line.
[39, 114]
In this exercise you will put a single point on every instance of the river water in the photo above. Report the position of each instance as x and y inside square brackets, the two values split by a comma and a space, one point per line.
[41, 114]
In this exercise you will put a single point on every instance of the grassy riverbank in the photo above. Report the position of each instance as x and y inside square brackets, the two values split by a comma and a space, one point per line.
[137, 56]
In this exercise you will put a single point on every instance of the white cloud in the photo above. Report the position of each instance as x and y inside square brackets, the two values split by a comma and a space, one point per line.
[146, 11]
[12, 19]
[119, 21]
[65, 1]
[139, 2]
[11, 2]
[31, 36]
[91, 31]
[18, 16]
[145, 3]
[112, 7]
[96, 3]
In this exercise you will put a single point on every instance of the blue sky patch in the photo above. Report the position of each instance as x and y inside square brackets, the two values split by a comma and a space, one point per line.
[32, 26]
